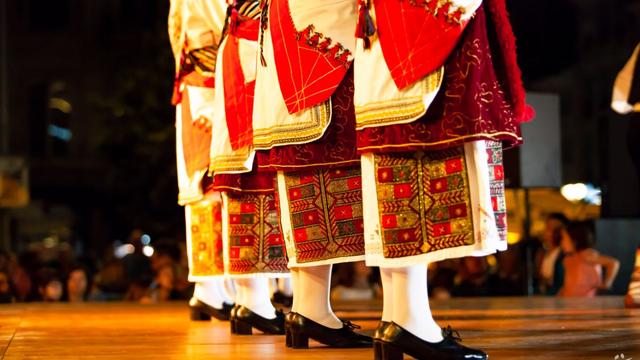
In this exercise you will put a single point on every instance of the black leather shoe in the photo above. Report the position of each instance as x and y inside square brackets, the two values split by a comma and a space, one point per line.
[288, 318]
[377, 335]
[396, 341]
[232, 318]
[302, 329]
[245, 320]
[282, 299]
[201, 311]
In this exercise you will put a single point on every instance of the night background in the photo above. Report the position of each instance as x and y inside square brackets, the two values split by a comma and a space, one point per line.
[85, 89]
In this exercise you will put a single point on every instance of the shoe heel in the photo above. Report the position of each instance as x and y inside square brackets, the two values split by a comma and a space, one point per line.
[243, 328]
[299, 341]
[385, 351]
[287, 337]
[232, 326]
[197, 315]
[377, 352]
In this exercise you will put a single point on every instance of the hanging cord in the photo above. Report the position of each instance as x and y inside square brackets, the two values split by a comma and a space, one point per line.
[264, 22]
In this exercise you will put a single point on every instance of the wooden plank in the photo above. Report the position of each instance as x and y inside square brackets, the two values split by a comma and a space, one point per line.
[507, 328]
[10, 316]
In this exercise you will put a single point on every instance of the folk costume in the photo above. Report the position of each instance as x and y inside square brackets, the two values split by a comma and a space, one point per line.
[304, 134]
[223, 231]
[446, 97]
[194, 31]
[252, 241]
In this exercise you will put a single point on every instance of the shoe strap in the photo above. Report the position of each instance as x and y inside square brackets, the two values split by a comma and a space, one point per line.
[450, 333]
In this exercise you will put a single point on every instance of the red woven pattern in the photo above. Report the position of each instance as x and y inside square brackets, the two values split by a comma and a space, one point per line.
[326, 213]
[423, 202]
[206, 239]
[496, 183]
[255, 240]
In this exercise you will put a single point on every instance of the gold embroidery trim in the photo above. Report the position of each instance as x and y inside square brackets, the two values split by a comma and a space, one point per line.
[492, 136]
[401, 110]
[237, 189]
[299, 133]
[345, 162]
[229, 163]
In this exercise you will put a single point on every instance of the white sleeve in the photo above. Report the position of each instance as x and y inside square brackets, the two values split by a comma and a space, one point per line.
[204, 20]
[622, 86]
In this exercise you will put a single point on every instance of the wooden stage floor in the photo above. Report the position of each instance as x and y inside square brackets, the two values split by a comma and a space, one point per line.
[507, 328]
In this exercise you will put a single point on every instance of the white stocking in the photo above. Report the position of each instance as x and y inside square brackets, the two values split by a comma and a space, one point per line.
[313, 295]
[387, 294]
[285, 286]
[209, 292]
[411, 303]
[295, 284]
[228, 290]
[255, 295]
[239, 294]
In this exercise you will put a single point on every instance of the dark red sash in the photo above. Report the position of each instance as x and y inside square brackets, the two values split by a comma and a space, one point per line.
[238, 95]
[310, 67]
[416, 37]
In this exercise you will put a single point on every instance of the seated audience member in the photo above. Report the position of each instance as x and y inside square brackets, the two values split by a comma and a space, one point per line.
[442, 277]
[77, 285]
[6, 293]
[353, 281]
[50, 286]
[508, 279]
[162, 288]
[583, 265]
[111, 282]
[472, 278]
[551, 271]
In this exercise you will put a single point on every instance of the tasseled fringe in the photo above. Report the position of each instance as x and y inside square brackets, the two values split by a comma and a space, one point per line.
[365, 29]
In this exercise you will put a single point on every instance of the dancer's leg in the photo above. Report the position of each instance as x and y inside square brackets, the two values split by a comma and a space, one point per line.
[387, 294]
[411, 303]
[209, 293]
[256, 297]
[295, 285]
[312, 297]
[285, 286]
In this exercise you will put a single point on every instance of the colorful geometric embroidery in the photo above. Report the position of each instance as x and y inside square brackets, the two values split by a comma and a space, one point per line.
[496, 184]
[423, 201]
[326, 213]
[255, 239]
[206, 239]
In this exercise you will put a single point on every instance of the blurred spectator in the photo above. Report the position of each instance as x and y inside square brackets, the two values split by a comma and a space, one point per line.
[77, 285]
[111, 282]
[162, 288]
[472, 279]
[168, 253]
[354, 281]
[50, 286]
[583, 265]
[6, 293]
[137, 265]
[508, 280]
[442, 278]
[551, 271]
[18, 280]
